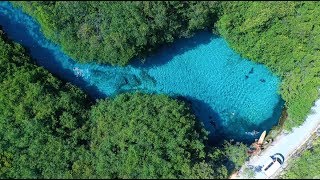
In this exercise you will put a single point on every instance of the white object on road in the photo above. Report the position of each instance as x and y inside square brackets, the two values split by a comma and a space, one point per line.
[286, 144]
[273, 164]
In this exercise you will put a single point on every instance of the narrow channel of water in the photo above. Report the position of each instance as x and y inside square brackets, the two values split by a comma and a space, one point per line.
[232, 96]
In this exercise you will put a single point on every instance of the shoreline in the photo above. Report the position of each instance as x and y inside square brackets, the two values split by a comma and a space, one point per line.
[286, 143]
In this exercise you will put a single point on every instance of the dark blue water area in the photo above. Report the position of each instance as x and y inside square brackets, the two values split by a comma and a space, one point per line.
[230, 95]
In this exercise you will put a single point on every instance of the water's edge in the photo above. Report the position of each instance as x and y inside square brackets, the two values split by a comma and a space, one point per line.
[231, 95]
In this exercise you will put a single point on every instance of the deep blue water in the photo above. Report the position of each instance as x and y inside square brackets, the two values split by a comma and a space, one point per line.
[238, 95]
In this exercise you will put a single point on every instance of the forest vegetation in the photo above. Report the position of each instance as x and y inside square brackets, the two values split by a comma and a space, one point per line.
[117, 32]
[281, 35]
[51, 129]
[285, 37]
[307, 165]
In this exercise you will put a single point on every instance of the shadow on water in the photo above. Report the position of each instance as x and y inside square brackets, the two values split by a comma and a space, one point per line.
[209, 118]
[43, 56]
[217, 134]
[267, 124]
[55, 61]
[166, 52]
[274, 119]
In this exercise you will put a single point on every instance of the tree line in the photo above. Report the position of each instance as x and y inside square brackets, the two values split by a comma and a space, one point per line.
[281, 35]
[117, 32]
[306, 165]
[285, 37]
[51, 129]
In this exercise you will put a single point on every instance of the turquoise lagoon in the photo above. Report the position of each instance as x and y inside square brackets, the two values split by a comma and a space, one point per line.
[231, 95]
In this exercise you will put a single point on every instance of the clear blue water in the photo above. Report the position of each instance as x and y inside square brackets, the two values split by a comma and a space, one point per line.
[238, 95]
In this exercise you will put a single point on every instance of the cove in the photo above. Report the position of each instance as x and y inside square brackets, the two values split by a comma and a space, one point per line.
[232, 96]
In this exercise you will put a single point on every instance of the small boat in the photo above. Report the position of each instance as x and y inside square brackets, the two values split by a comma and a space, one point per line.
[262, 136]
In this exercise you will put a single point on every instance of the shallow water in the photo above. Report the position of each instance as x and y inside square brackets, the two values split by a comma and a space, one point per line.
[232, 96]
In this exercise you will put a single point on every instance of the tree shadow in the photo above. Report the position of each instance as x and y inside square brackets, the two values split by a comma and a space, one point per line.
[50, 60]
[274, 119]
[209, 118]
[167, 51]
[218, 133]
[244, 136]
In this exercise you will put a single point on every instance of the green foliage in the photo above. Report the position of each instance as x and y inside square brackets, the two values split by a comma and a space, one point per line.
[236, 154]
[42, 121]
[50, 129]
[282, 35]
[307, 166]
[143, 136]
[285, 37]
[116, 32]
[227, 159]
[248, 173]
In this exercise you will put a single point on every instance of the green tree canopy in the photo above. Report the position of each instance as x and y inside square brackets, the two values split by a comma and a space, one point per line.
[51, 129]
[285, 37]
[307, 165]
[282, 35]
[116, 32]
[143, 136]
[43, 122]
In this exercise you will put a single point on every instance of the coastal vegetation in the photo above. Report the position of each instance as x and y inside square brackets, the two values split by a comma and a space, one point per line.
[119, 31]
[285, 37]
[51, 129]
[281, 35]
[43, 121]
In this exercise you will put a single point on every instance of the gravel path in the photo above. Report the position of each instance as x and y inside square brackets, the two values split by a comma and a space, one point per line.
[285, 143]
